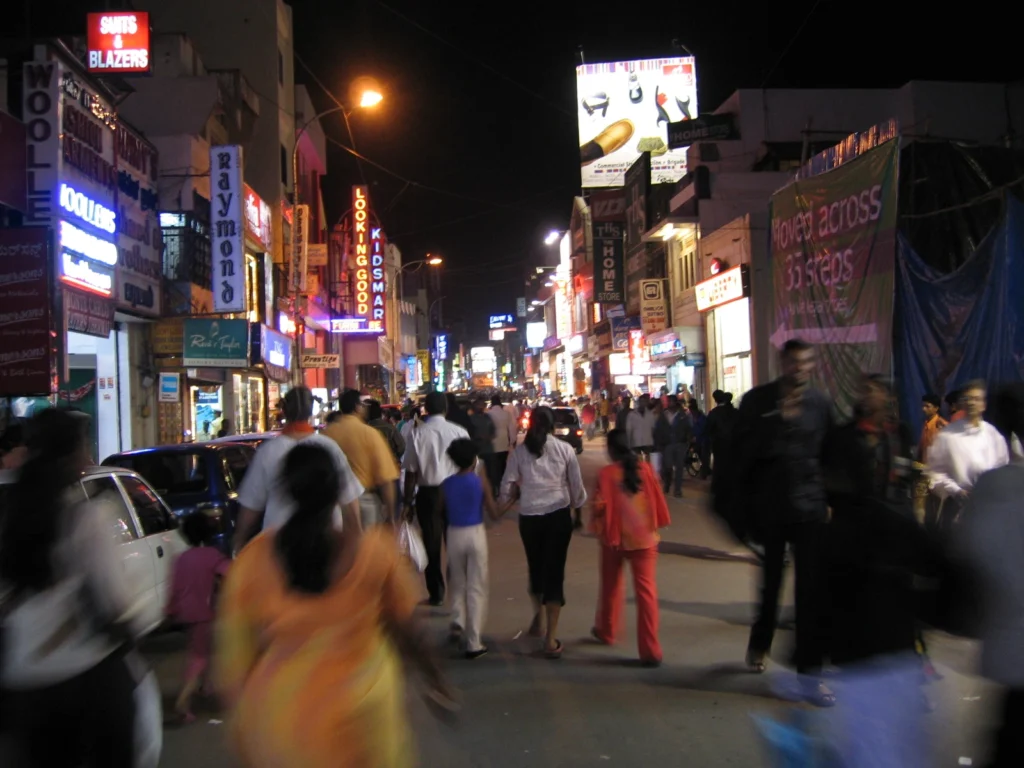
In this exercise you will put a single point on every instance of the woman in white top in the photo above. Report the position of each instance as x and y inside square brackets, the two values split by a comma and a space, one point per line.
[545, 477]
[66, 689]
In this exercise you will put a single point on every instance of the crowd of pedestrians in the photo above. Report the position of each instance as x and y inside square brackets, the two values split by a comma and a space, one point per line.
[305, 634]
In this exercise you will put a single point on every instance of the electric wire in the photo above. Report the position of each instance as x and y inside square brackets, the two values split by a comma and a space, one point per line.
[478, 61]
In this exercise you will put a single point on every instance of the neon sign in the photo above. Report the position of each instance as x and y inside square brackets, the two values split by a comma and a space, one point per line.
[74, 239]
[80, 273]
[370, 279]
[118, 42]
[89, 211]
[354, 325]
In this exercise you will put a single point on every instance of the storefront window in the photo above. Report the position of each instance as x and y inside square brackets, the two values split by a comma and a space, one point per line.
[250, 415]
[252, 288]
[732, 328]
[207, 411]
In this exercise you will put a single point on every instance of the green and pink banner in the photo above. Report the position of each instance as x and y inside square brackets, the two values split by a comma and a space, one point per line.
[833, 252]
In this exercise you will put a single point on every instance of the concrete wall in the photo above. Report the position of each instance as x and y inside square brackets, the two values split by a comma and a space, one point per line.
[248, 35]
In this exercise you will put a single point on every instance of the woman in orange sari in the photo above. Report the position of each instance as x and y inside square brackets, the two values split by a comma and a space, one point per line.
[628, 509]
[311, 622]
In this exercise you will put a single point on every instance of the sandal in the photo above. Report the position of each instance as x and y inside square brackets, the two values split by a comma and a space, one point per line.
[554, 653]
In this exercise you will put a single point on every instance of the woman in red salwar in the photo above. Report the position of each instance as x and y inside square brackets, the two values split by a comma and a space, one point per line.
[628, 509]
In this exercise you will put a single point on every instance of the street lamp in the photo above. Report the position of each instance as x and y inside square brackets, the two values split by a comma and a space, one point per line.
[370, 97]
[552, 237]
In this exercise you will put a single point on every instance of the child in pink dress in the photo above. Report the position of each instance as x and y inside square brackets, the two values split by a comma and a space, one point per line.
[196, 576]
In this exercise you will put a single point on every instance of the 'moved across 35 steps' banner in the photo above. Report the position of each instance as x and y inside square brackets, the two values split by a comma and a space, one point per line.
[833, 251]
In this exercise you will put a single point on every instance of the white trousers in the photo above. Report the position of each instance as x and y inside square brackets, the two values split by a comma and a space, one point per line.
[467, 581]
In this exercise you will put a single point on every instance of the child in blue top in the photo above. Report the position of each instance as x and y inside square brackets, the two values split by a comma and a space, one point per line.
[467, 496]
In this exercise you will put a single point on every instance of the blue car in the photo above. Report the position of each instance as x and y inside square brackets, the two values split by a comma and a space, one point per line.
[195, 477]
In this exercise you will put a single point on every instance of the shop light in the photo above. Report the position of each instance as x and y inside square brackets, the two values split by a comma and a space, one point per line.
[79, 272]
[87, 209]
[74, 239]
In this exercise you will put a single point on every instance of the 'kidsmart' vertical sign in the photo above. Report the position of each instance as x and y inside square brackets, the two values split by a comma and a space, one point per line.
[227, 231]
[370, 277]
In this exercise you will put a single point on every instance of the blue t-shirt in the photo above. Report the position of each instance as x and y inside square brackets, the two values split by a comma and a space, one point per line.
[464, 499]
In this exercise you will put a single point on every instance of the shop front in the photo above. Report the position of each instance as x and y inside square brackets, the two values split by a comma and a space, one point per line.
[576, 352]
[220, 375]
[667, 349]
[725, 300]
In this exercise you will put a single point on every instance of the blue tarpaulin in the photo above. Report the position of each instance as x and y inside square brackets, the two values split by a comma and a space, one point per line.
[967, 324]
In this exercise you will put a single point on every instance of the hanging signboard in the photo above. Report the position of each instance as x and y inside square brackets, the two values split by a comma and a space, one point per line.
[608, 247]
[227, 230]
[321, 361]
[730, 285]
[300, 248]
[370, 283]
[653, 306]
[117, 42]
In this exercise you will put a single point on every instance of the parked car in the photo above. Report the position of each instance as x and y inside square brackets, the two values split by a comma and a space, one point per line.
[195, 477]
[568, 428]
[255, 439]
[144, 527]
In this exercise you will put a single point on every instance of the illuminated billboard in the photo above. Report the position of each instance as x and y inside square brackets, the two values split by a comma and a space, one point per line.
[117, 42]
[535, 335]
[369, 279]
[624, 108]
[501, 322]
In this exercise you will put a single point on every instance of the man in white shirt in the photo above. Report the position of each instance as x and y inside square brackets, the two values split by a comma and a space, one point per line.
[262, 490]
[962, 452]
[426, 461]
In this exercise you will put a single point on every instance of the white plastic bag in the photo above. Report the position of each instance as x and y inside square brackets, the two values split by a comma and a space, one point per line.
[149, 729]
[411, 545]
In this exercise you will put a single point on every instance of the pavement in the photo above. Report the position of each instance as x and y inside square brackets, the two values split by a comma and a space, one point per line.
[597, 706]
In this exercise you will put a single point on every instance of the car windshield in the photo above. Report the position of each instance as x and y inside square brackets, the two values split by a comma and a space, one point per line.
[169, 473]
[564, 417]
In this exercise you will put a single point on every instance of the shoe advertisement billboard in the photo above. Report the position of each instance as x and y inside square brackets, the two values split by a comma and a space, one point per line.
[624, 108]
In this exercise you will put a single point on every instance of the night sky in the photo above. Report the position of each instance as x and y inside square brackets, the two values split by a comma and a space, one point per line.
[481, 105]
[480, 100]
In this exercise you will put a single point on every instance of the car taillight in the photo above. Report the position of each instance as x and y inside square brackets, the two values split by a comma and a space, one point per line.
[579, 432]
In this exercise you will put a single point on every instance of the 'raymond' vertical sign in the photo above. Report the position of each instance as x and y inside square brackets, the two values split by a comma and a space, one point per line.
[300, 248]
[227, 230]
[370, 279]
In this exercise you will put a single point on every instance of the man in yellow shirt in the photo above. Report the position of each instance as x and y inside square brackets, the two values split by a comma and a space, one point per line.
[371, 460]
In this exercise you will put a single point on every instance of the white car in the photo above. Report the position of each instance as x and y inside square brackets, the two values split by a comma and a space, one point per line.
[145, 530]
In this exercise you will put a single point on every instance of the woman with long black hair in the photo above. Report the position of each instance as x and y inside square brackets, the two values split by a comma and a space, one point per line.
[312, 620]
[68, 691]
[544, 476]
[628, 509]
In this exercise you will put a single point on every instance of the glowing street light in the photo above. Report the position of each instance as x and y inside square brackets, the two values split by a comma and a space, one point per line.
[370, 98]
[434, 261]
[552, 237]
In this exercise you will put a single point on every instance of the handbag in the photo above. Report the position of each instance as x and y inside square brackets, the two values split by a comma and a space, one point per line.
[411, 545]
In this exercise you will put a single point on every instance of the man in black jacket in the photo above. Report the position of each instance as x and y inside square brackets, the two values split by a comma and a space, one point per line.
[672, 433]
[779, 442]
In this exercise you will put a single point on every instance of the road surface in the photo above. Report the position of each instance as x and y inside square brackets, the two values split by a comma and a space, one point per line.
[596, 706]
